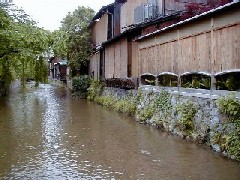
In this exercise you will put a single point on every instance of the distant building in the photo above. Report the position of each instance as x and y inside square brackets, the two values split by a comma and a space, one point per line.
[58, 68]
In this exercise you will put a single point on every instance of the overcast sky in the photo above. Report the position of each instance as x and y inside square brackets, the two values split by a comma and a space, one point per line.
[49, 13]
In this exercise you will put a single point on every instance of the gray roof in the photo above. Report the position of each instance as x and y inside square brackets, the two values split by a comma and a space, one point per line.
[63, 62]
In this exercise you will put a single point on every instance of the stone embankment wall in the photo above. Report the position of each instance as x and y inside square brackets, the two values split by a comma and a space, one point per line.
[193, 116]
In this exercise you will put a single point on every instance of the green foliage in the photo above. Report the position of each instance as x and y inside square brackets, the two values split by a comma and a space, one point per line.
[163, 101]
[139, 96]
[163, 107]
[59, 40]
[168, 80]
[186, 112]
[230, 106]
[128, 105]
[5, 76]
[106, 101]
[81, 84]
[21, 43]
[160, 104]
[197, 81]
[41, 71]
[95, 90]
[228, 82]
[233, 145]
[75, 25]
[147, 113]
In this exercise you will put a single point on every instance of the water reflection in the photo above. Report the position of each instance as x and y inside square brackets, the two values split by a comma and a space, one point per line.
[44, 134]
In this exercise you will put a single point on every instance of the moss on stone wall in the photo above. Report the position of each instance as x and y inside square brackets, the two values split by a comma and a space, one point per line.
[230, 140]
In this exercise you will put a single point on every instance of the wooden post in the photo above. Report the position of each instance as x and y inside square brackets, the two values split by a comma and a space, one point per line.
[178, 50]
[213, 85]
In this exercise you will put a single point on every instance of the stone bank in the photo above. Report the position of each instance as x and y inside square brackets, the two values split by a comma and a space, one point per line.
[189, 113]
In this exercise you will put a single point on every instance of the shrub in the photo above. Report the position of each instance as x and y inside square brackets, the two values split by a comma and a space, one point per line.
[186, 112]
[230, 106]
[127, 105]
[106, 101]
[95, 90]
[146, 113]
[80, 85]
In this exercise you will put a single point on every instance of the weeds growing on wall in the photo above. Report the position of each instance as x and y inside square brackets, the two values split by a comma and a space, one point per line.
[107, 101]
[127, 105]
[163, 107]
[230, 106]
[186, 112]
[160, 104]
[147, 111]
[163, 101]
[95, 90]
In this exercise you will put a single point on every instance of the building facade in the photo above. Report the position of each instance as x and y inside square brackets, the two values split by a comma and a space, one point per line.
[132, 37]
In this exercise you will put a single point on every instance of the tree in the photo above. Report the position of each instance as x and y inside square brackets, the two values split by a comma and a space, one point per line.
[22, 42]
[75, 25]
[59, 40]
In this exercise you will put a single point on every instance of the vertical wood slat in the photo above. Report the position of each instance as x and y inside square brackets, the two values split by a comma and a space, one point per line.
[117, 65]
[135, 59]
[194, 53]
[94, 65]
[124, 58]
[227, 48]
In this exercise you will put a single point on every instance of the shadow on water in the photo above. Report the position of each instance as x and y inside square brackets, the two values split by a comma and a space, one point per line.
[44, 134]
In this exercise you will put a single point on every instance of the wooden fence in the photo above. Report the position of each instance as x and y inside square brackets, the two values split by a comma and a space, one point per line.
[210, 44]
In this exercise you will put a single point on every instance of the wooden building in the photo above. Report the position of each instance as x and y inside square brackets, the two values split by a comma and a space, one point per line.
[134, 37]
[58, 69]
[209, 42]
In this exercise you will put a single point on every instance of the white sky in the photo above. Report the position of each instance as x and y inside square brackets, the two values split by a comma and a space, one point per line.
[49, 13]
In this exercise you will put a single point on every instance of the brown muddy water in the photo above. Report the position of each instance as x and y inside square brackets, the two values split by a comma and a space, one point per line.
[44, 134]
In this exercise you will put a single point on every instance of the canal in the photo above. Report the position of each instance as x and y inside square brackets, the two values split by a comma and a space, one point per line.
[44, 134]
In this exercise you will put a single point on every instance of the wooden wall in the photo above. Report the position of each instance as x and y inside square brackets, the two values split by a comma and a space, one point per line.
[94, 65]
[227, 48]
[211, 45]
[116, 59]
[99, 30]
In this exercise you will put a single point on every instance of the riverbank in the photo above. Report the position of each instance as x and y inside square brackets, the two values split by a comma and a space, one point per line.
[203, 118]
